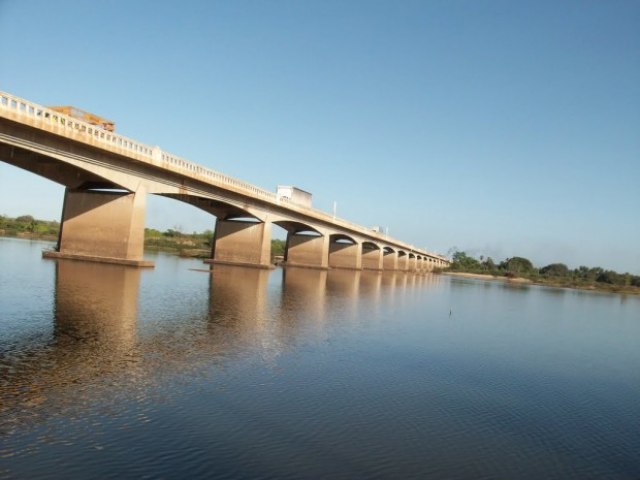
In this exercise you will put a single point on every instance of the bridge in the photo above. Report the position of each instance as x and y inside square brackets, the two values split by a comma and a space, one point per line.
[108, 177]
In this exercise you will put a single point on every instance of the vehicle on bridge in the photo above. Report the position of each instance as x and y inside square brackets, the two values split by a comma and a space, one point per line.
[88, 117]
[294, 195]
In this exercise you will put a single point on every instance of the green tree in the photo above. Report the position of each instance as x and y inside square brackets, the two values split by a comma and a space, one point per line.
[489, 265]
[277, 247]
[464, 263]
[517, 266]
[555, 270]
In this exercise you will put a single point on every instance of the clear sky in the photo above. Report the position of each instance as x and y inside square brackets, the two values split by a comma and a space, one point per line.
[500, 127]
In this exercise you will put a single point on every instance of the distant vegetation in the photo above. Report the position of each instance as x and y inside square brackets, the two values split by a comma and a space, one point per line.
[556, 274]
[29, 227]
[171, 240]
[183, 244]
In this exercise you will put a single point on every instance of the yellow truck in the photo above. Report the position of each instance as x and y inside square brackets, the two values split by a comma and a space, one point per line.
[86, 116]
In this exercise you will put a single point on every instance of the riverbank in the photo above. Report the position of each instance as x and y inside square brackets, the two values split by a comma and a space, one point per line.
[596, 287]
[30, 236]
[186, 245]
[483, 276]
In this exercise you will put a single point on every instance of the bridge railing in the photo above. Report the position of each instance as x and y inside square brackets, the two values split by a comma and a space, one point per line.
[63, 124]
[45, 118]
[40, 116]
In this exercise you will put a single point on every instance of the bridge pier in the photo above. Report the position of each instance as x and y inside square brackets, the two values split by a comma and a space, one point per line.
[242, 243]
[102, 226]
[389, 260]
[307, 251]
[428, 266]
[421, 265]
[345, 255]
[412, 263]
[372, 258]
[403, 262]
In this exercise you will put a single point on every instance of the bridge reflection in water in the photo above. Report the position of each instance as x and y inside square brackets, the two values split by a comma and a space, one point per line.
[96, 306]
[106, 348]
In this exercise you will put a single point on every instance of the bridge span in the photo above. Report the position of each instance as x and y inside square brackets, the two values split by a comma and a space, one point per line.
[108, 176]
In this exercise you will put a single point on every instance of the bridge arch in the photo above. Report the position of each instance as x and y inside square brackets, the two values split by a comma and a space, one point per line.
[75, 175]
[222, 210]
[343, 239]
[298, 228]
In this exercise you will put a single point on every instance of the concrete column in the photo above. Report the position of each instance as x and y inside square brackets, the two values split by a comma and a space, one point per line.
[103, 227]
[242, 243]
[307, 251]
[390, 261]
[411, 264]
[372, 259]
[403, 262]
[345, 255]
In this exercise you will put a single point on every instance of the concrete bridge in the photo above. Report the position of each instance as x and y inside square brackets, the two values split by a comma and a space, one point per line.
[108, 176]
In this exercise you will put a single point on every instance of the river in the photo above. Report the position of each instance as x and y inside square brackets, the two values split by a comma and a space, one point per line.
[180, 372]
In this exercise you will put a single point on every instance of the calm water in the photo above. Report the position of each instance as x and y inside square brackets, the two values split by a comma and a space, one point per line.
[176, 372]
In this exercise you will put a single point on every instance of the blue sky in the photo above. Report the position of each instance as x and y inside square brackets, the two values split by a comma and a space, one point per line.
[500, 127]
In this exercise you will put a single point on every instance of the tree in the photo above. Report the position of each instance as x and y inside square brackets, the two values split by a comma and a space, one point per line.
[277, 247]
[517, 266]
[489, 264]
[555, 270]
[465, 263]
[611, 277]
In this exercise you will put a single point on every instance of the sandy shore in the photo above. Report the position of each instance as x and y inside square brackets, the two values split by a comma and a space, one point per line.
[483, 276]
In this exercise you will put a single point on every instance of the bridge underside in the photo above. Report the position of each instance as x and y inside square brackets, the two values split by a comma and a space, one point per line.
[53, 169]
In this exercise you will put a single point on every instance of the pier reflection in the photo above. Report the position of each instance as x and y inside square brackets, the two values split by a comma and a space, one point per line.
[111, 342]
[303, 307]
[238, 294]
[371, 284]
[304, 289]
[343, 287]
[94, 336]
[96, 305]
[238, 309]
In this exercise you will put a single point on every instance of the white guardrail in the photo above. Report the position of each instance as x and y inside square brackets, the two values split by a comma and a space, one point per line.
[48, 119]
